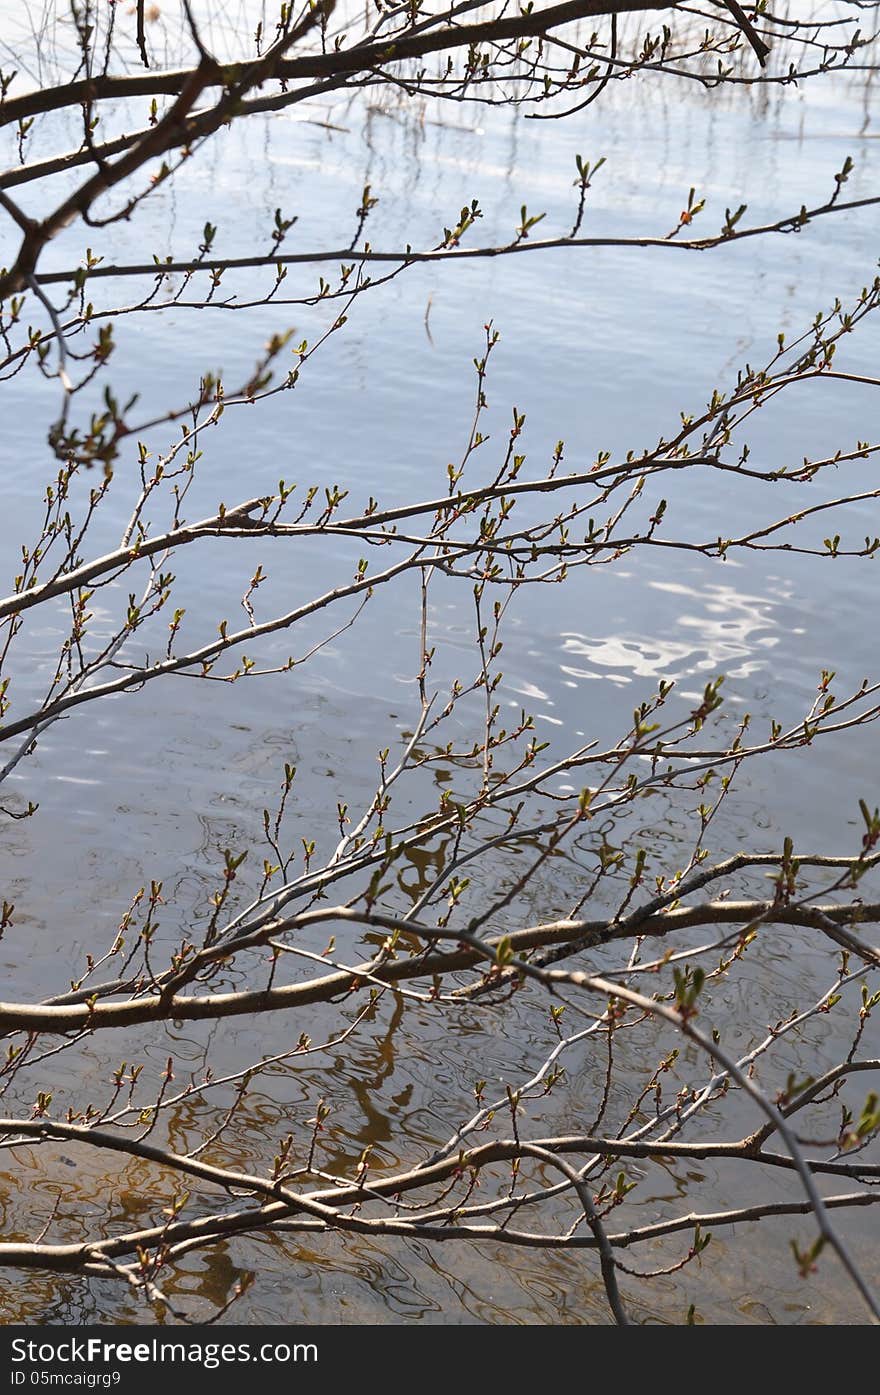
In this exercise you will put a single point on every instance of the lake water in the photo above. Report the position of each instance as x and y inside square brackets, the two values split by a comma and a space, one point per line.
[602, 347]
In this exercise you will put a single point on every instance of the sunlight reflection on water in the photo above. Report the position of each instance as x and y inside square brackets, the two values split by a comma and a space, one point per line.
[603, 349]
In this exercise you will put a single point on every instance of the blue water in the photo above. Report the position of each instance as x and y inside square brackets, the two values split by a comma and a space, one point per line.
[601, 347]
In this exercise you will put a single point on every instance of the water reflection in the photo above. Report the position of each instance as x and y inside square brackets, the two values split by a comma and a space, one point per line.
[732, 626]
[570, 358]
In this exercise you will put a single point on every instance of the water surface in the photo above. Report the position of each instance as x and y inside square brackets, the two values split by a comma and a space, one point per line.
[601, 348]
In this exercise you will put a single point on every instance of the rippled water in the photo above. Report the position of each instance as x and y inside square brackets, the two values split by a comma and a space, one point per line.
[600, 347]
